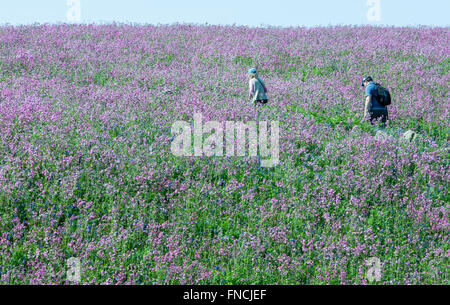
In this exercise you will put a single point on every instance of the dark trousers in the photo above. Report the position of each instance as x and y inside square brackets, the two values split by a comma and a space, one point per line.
[379, 115]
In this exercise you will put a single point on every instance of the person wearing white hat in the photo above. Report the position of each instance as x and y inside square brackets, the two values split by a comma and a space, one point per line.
[257, 88]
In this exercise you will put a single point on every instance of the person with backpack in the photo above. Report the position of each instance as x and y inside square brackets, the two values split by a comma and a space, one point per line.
[377, 100]
[257, 88]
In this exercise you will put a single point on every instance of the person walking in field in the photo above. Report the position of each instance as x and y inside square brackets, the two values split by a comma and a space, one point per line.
[377, 100]
[257, 88]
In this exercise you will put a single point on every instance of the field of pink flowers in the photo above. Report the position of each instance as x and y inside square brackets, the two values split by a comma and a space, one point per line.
[86, 169]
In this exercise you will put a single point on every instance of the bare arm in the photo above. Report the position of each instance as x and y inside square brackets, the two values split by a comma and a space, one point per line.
[367, 106]
[251, 89]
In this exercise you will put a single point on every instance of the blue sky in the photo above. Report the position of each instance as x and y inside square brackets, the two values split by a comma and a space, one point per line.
[240, 12]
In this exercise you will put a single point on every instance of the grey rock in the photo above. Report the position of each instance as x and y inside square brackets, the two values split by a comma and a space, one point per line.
[411, 137]
[382, 136]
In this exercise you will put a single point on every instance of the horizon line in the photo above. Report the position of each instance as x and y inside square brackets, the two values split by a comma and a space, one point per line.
[206, 24]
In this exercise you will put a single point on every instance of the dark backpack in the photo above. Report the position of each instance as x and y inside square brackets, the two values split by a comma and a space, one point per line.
[384, 97]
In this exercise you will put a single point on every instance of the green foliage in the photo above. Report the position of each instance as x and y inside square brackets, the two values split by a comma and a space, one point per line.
[244, 61]
[102, 77]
